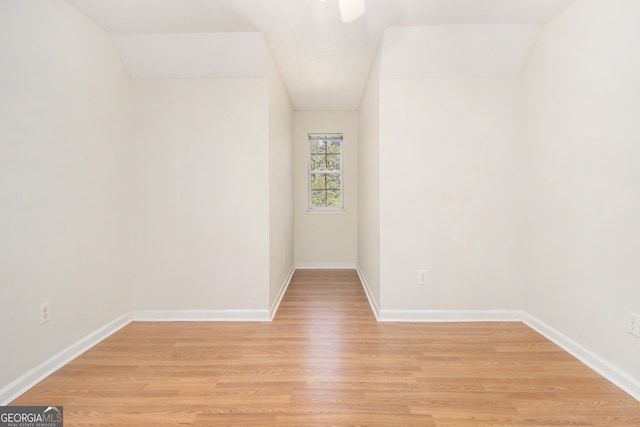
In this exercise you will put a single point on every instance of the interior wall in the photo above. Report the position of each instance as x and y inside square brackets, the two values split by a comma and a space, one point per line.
[325, 239]
[208, 214]
[64, 174]
[583, 94]
[369, 185]
[201, 194]
[280, 183]
[450, 183]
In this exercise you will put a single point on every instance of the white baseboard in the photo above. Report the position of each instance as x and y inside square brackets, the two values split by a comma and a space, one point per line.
[615, 375]
[449, 315]
[283, 289]
[326, 266]
[367, 291]
[257, 315]
[23, 383]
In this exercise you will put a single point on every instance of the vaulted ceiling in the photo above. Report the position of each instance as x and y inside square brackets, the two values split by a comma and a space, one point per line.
[323, 62]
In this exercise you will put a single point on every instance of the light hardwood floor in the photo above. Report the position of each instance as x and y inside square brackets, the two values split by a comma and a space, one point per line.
[324, 360]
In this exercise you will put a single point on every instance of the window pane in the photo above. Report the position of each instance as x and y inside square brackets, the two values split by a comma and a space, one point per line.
[318, 147]
[333, 162]
[318, 181]
[318, 198]
[333, 147]
[333, 181]
[333, 198]
[325, 171]
[318, 162]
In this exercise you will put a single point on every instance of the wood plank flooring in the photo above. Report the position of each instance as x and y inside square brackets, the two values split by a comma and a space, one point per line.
[324, 360]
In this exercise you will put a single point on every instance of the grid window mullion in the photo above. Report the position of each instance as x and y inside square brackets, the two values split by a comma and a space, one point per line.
[325, 172]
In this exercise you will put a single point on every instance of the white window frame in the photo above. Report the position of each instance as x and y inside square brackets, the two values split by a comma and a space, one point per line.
[329, 137]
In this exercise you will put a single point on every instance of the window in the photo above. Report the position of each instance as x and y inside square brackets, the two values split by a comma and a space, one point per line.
[325, 172]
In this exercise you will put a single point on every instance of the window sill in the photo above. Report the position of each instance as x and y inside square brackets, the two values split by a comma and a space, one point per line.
[325, 211]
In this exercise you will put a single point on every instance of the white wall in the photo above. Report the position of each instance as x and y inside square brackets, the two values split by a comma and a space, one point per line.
[450, 178]
[192, 55]
[201, 191]
[441, 182]
[583, 110]
[325, 239]
[64, 169]
[280, 183]
[457, 51]
[369, 186]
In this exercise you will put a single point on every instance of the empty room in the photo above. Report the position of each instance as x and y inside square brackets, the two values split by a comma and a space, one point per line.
[320, 212]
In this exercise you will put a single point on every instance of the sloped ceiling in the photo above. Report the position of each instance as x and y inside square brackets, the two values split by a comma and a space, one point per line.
[479, 50]
[323, 62]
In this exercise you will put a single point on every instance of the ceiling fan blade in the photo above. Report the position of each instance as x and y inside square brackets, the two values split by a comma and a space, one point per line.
[350, 10]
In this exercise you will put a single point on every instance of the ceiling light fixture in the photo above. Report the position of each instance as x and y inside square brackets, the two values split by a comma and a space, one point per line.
[350, 10]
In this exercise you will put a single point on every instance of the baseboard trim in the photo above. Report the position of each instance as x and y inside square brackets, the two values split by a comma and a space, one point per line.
[367, 291]
[283, 290]
[450, 315]
[202, 316]
[615, 375]
[22, 384]
[326, 266]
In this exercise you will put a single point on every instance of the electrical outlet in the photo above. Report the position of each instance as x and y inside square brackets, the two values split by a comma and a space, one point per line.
[633, 324]
[44, 313]
[422, 277]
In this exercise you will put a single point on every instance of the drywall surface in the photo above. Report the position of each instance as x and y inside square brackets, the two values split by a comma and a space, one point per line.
[457, 51]
[369, 185]
[201, 194]
[325, 239]
[450, 179]
[280, 182]
[64, 173]
[583, 105]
